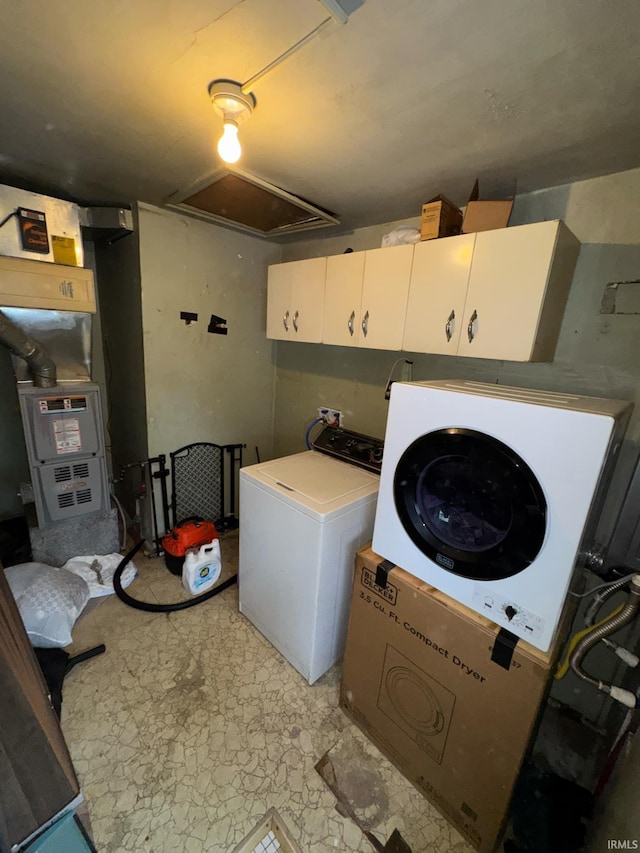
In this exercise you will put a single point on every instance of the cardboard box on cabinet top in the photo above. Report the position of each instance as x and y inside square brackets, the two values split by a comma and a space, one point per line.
[486, 214]
[443, 693]
[440, 218]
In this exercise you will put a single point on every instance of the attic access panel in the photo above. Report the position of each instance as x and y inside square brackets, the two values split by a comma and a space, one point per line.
[251, 204]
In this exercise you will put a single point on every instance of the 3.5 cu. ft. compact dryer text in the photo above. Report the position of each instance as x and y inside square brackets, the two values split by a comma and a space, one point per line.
[487, 493]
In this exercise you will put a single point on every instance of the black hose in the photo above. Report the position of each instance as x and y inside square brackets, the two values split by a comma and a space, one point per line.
[161, 608]
[83, 656]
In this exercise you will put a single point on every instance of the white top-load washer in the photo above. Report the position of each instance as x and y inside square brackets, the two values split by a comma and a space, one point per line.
[302, 518]
[488, 493]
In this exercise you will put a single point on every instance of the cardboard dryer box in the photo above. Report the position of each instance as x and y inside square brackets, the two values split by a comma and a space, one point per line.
[440, 218]
[438, 692]
[486, 214]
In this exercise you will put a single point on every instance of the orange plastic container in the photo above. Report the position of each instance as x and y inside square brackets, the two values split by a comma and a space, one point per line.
[191, 533]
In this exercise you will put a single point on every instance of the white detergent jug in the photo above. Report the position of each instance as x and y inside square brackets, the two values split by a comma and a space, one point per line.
[202, 567]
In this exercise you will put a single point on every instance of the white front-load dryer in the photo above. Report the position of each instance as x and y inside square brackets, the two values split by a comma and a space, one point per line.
[487, 493]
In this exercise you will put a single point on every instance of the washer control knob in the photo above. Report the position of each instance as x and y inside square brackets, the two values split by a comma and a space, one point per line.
[510, 612]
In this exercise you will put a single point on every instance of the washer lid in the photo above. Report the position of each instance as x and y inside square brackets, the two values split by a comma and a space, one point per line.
[317, 478]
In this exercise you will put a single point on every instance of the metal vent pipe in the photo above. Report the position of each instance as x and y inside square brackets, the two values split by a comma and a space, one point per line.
[41, 365]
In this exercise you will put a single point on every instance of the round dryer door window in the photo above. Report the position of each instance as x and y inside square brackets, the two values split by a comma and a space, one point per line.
[470, 503]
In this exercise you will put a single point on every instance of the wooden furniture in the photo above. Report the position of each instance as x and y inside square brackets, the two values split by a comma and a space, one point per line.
[38, 779]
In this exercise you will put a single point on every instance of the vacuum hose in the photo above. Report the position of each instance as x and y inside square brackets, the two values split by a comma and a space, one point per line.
[161, 608]
[610, 626]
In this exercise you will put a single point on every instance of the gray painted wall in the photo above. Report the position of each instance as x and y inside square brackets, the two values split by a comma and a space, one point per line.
[98, 374]
[201, 386]
[118, 284]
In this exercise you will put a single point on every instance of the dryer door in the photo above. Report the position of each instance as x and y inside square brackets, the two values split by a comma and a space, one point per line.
[470, 503]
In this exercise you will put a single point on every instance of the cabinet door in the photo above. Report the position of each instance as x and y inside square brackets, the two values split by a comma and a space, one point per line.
[343, 293]
[279, 293]
[384, 297]
[307, 301]
[437, 292]
[506, 292]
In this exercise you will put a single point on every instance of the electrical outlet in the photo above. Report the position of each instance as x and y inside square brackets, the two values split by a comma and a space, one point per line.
[333, 417]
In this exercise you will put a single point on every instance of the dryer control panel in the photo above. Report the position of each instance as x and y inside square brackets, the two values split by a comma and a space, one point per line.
[507, 613]
[348, 446]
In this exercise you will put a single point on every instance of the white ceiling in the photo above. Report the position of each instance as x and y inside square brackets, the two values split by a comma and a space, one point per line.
[106, 101]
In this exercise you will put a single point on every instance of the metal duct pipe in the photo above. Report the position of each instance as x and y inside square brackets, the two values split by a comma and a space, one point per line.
[40, 363]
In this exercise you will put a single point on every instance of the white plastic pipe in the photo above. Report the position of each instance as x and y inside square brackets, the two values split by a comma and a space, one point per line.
[628, 657]
[625, 697]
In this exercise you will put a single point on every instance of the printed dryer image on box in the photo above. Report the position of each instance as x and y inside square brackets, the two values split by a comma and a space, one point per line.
[416, 702]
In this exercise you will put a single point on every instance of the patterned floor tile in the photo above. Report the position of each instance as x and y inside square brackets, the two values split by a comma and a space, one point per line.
[192, 726]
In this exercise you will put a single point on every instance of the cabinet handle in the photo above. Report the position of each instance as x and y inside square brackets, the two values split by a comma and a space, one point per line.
[350, 323]
[295, 320]
[470, 333]
[285, 320]
[365, 324]
[447, 328]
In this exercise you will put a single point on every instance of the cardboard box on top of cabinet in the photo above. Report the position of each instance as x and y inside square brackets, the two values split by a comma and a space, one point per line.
[486, 214]
[440, 218]
[434, 688]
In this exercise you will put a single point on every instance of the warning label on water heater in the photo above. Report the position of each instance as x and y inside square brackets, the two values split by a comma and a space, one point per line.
[67, 436]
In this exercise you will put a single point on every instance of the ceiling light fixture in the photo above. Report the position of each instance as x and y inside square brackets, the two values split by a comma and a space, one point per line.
[235, 101]
[234, 106]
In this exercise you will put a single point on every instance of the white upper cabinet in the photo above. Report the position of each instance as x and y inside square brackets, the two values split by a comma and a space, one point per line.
[279, 294]
[385, 289]
[518, 286]
[343, 297]
[437, 294]
[295, 300]
[495, 294]
[307, 304]
[366, 298]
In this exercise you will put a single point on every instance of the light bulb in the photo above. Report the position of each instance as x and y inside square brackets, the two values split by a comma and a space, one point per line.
[229, 145]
